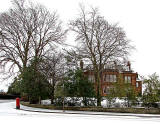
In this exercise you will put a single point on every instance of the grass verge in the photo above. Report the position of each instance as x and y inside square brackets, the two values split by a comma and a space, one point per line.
[97, 109]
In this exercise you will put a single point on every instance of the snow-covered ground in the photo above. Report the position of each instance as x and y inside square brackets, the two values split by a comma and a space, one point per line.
[9, 115]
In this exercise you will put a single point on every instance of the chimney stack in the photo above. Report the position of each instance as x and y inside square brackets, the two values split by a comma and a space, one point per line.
[115, 64]
[129, 65]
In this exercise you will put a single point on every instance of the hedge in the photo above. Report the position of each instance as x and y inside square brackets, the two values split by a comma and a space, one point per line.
[8, 96]
[97, 109]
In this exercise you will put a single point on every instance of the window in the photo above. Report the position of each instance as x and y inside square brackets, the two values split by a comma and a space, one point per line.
[106, 90]
[127, 79]
[91, 78]
[114, 78]
[137, 84]
[110, 78]
[107, 78]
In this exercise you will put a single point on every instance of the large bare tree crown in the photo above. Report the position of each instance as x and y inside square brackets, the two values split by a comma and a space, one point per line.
[28, 30]
[98, 40]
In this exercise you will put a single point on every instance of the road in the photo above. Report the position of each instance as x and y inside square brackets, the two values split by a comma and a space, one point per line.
[9, 115]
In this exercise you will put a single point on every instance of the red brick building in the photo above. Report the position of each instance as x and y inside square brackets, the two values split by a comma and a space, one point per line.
[111, 74]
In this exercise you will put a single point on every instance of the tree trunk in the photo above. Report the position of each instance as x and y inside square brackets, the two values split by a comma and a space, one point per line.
[98, 90]
[98, 101]
[52, 98]
[39, 99]
[85, 101]
[98, 96]
[52, 91]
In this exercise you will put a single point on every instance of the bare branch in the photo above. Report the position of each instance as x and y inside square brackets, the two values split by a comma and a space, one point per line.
[99, 41]
[27, 31]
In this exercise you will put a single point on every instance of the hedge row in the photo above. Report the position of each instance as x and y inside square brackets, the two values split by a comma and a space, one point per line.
[97, 109]
[7, 96]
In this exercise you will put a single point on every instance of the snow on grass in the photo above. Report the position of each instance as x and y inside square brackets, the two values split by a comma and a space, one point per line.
[9, 115]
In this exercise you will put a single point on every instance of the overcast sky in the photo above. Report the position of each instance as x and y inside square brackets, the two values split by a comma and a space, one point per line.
[139, 18]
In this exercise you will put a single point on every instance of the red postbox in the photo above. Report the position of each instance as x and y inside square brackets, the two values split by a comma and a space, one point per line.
[17, 103]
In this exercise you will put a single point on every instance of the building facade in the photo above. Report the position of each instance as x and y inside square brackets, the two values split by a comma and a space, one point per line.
[112, 73]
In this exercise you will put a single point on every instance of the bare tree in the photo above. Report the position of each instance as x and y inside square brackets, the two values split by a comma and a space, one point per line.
[53, 67]
[27, 31]
[99, 42]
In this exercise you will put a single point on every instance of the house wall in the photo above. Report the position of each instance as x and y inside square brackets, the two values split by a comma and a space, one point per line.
[109, 84]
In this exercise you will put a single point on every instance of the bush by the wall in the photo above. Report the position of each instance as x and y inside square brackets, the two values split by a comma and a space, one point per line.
[98, 109]
[8, 96]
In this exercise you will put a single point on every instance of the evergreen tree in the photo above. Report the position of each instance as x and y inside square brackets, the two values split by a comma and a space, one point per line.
[151, 94]
[77, 85]
[14, 88]
[33, 83]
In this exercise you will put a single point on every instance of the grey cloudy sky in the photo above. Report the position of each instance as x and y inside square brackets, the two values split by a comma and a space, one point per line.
[139, 18]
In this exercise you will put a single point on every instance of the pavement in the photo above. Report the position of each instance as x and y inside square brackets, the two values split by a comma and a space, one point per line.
[31, 109]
